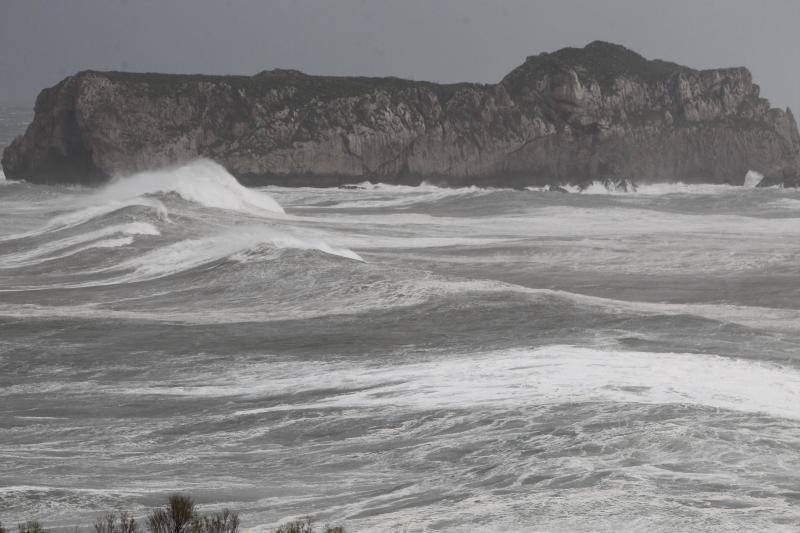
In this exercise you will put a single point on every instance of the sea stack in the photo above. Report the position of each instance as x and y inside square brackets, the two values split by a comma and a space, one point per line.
[601, 112]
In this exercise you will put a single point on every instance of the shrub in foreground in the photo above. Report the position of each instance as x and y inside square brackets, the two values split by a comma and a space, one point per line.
[31, 526]
[116, 523]
[306, 525]
[179, 515]
[297, 526]
[224, 522]
[175, 517]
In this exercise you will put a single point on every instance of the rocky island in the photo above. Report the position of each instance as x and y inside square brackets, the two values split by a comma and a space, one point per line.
[571, 116]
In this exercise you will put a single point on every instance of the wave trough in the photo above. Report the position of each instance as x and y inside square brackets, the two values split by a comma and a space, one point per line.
[601, 361]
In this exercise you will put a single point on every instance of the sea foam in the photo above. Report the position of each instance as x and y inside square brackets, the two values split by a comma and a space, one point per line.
[67, 246]
[752, 178]
[203, 181]
[517, 378]
[187, 254]
[647, 189]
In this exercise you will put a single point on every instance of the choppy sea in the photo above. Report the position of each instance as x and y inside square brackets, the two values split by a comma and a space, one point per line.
[399, 358]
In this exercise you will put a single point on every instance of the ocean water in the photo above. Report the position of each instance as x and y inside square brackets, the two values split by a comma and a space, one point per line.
[402, 359]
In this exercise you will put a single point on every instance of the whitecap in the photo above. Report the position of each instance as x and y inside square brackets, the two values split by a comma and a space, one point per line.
[96, 239]
[652, 189]
[203, 181]
[554, 375]
[752, 179]
[370, 195]
[187, 254]
[76, 217]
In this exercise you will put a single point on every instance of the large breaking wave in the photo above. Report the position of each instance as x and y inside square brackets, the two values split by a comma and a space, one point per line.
[158, 223]
[203, 181]
[500, 349]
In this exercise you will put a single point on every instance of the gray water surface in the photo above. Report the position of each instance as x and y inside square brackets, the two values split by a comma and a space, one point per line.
[394, 358]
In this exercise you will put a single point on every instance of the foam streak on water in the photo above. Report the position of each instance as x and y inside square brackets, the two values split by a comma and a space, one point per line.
[523, 378]
[402, 358]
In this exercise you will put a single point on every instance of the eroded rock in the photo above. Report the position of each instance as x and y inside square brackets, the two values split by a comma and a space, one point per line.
[598, 113]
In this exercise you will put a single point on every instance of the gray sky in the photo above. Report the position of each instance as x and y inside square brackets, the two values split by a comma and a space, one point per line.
[42, 41]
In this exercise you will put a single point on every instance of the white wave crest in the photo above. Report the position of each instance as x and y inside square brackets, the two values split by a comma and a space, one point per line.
[752, 179]
[557, 374]
[79, 216]
[74, 218]
[606, 187]
[523, 377]
[422, 187]
[203, 181]
[627, 187]
[70, 245]
[654, 189]
[191, 253]
[370, 195]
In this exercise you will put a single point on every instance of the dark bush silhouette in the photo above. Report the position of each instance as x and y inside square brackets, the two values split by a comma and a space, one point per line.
[175, 517]
[31, 526]
[303, 525]
[179, 515]
[158, 521]
[223, 522]
[116, 523]
[306, 525]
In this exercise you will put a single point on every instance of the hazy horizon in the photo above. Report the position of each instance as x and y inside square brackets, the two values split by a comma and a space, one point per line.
[449, 41]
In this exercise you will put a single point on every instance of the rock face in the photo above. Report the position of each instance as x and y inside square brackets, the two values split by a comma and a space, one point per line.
[601, 112]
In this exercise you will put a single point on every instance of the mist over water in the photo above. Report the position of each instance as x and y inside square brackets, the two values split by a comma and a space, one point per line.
[13, 121]
[410, 358]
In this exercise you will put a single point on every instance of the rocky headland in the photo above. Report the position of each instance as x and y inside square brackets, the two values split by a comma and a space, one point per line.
[601, 112]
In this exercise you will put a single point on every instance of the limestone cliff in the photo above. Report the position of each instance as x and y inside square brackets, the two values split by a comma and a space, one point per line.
[574, 115]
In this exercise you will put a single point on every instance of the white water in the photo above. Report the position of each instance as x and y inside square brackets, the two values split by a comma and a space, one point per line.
[203, 181]
[501, 359]
[517, 378]
[752, 179]
[45, 251]
[188, 254]
[383, 195]
[654, 189]
[80, 213]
